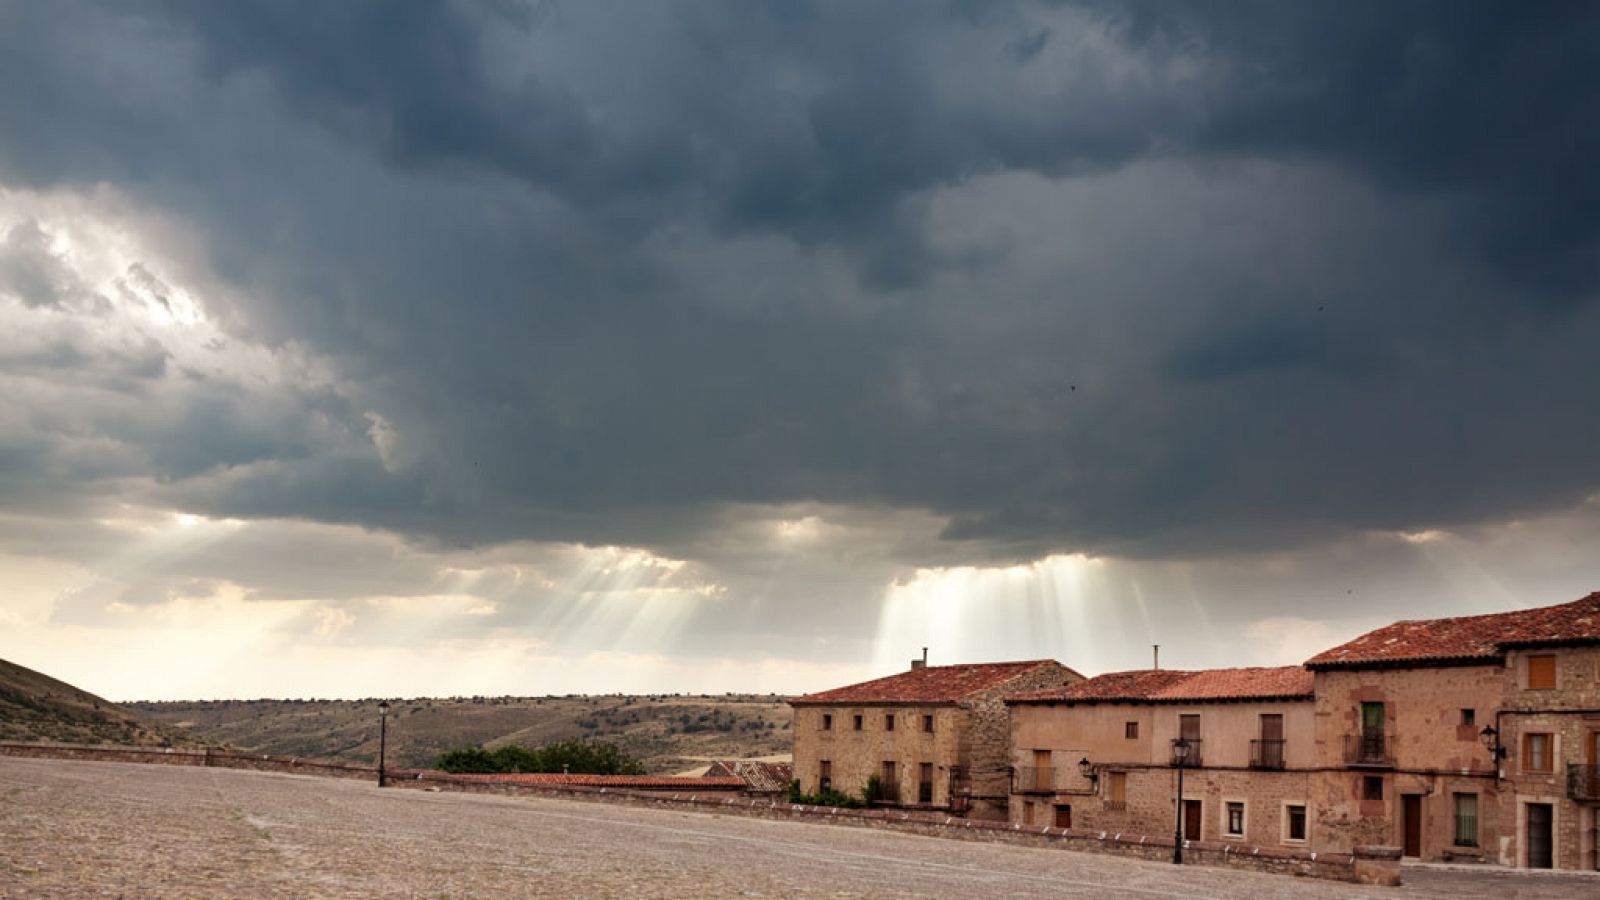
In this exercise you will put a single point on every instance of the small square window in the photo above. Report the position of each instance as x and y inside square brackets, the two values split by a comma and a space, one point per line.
[856, 721]
[927, 724]
[1542, 672]
[1469, 718]
[1372, 787]
[888, 722]
[1130, 730]
[1297, 823]
[827, 722]
[1235, 819]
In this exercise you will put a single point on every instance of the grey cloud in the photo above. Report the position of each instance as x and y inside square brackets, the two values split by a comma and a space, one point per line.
[1280, 279]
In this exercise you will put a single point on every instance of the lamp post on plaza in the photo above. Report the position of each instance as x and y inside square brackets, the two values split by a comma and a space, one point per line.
[383, 742]
[1180, 755]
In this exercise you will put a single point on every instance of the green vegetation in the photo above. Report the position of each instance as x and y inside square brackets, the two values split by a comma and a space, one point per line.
[579, 757]
[831, 797]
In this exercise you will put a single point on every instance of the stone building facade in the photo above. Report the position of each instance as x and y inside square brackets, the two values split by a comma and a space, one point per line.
[1467, 738]
[935, 737]
[1099, 754]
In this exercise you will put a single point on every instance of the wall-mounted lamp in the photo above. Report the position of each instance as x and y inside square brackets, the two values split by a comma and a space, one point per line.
[1491, 742]
[1086, 768]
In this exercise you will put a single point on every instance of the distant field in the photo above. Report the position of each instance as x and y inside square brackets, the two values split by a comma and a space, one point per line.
[669, 733]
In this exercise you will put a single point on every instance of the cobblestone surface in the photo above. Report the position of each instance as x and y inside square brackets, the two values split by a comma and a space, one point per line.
[108, 829]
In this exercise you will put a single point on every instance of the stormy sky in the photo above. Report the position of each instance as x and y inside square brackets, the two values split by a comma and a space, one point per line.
[385, 348]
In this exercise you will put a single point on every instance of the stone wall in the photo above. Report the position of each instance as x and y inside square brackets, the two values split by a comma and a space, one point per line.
[1567, 712]
[1435, 755]
[166, 756]
[986, 745]
[856, 756]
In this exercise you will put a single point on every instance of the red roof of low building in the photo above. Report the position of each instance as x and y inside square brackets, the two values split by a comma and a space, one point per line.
[1176, 686]
[633, 782]
[761, 777]
[931, 684]
[1468, 637]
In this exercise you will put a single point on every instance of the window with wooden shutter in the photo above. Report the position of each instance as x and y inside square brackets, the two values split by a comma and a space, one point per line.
[1542, 672]
[1536, 755]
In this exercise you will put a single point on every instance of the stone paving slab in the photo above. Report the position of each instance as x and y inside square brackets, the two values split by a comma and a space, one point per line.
[73, 829]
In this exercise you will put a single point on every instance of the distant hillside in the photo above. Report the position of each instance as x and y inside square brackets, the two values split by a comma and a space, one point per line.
[36, 707]
[668, 733]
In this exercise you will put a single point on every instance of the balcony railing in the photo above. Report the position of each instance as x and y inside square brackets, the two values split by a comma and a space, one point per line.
[1583, 783]
[888, 791]
[1193, 758]
[1116, 805]
[1372, 749]
[1033, 780]
[1266, 754]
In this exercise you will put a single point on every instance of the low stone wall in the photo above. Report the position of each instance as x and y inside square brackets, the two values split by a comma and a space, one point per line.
[1373, 867]
[226, 759]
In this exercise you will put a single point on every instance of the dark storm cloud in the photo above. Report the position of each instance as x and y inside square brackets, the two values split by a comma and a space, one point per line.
[1107, 277]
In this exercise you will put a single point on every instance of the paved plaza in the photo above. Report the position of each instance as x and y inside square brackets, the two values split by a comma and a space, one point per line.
[110, 829]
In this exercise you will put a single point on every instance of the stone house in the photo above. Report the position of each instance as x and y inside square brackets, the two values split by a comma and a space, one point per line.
[1099, 754]
[1465, 738]
[936, 737]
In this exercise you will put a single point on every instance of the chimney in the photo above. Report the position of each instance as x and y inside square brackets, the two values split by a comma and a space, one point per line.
[920, 663]
[1156, 651]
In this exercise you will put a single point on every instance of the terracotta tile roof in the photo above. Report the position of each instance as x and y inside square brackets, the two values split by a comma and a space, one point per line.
[1468, 637]
[933, 684]
[634, 782]
[1176, 686]
[758, 776]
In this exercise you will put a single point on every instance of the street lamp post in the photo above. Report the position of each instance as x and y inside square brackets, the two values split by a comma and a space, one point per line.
[1180, 755]
[383, 742]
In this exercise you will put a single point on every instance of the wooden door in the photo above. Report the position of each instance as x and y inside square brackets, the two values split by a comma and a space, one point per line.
[1540, 854]
[1063, 816]
[1193, 817]
[1411, 823]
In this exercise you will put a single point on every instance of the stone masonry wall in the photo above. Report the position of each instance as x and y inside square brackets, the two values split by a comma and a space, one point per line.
[1435, 755]
[1564, 713]
[986, 745]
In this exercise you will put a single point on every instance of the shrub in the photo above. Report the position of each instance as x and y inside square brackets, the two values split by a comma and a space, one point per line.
[579, 757]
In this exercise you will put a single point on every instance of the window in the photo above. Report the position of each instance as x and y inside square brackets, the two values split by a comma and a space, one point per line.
[1130, 730]
[1235, 818]
[1536, 756]
[827, 722]
[888, 722]
[888, 783]
[925, 783]
[1296, 830]
[1466, 820]
[1469, 718]
[825, 782]
[1189, 726]
[1117, 789]
[1542, 672]
[927, 724]
[1064, 816]
[856, 721]
[1372, 787]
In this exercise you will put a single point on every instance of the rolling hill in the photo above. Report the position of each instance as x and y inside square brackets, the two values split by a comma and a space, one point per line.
[668, 733]
[36, 707]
